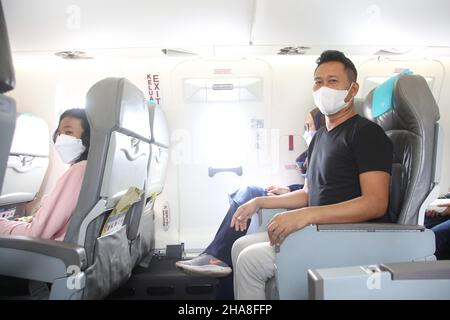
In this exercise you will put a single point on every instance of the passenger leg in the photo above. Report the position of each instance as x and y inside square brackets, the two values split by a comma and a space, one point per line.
[225, 288]
[220, 247]
[254, 264]
[442, 234]
[434, 221]
[225, 237]
[219, 250]
[11, 287]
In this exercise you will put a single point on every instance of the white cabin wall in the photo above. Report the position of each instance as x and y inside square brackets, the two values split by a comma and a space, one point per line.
[291, 102]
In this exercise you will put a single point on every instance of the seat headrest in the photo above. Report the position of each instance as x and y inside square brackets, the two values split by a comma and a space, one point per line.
[125, 108]
[382, 95]
[159, 126]
[7, 80]
[31, 136]
[410, 106]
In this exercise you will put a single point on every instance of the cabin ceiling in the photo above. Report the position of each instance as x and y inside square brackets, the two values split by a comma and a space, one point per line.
[221, 27]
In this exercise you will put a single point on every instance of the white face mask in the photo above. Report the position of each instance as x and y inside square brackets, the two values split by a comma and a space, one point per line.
[308, 135]
[330, 101]
[69, 148]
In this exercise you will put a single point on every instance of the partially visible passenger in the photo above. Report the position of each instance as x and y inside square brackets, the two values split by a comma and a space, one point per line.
[50, 221]
[441, 230]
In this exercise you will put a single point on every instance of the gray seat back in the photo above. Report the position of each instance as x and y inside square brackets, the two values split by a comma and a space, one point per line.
[160, 142]
[157, 166]
[118, 159]
[411, 124]
[7, 105]
[27, 162]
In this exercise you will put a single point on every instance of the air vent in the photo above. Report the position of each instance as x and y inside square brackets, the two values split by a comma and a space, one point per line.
[178, 52]
[293, 50]
[72, 55]
[391, 51]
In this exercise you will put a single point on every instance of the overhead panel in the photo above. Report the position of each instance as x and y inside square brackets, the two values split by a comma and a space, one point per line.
[352, 23]
[76, 24]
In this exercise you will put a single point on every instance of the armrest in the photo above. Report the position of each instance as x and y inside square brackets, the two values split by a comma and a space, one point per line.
[70, 254]
[265, 215]
[370, 227]
[421, 270]
[327, 246]
[39, 259]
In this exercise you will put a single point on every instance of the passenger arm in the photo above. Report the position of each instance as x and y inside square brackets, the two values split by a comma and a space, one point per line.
[372, 204]
[291, 200]
[56, 209]
[277, 190]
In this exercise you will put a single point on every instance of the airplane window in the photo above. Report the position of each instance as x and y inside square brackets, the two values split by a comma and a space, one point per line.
[223, 135]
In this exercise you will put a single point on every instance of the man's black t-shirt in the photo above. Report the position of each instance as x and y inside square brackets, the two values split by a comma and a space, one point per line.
[337, 157]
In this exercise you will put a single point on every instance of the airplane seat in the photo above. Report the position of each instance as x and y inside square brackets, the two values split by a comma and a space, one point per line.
[94, 259]
[119, 162]
[27, 164]
[423, 280]
[7, 104]
[398, 180]
[411, 121]
[157, 167]
[412, 125]
[160, 143]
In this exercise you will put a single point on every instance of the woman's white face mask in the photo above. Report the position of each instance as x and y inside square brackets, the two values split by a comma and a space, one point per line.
[330, 101]
[308, 135]
[69, 148]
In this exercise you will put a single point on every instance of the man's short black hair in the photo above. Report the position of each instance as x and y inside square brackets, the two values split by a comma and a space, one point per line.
[334, 55]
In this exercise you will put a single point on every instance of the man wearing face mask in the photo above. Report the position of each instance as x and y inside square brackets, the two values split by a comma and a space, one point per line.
[72, 139]
[215, 261]
[347, 179]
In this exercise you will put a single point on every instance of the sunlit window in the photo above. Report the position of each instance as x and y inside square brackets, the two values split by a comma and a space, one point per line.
[223, 136]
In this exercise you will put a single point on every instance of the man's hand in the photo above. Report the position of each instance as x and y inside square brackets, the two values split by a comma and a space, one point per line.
[276, 190]
[284, 223]
[242, 214]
